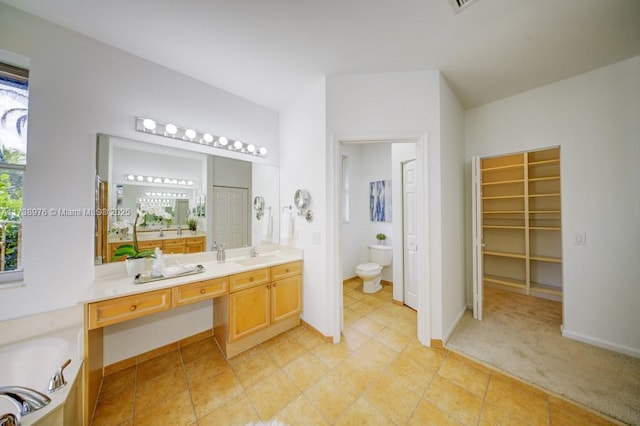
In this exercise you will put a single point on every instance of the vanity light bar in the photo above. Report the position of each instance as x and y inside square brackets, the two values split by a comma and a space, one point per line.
[158, 180]
[165, 194]
[169, 130]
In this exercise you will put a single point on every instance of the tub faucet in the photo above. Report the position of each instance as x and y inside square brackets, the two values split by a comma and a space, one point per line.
[27, 400]
[9, 419]
[57, 380]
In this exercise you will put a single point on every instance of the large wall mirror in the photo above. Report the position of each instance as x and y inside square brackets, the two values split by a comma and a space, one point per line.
[178, 190]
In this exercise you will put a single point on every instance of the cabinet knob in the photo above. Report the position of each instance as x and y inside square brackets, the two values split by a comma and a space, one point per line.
[250, 278]
[202, 290]
[274, 284]
[268, 286]
[133, 307]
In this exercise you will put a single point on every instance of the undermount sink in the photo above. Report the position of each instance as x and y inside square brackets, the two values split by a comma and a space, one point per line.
[259, 260]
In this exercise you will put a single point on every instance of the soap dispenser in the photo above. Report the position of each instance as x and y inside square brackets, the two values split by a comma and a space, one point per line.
[221, 255]
[158, 264]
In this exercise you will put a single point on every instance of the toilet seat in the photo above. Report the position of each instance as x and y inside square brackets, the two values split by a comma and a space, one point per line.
[368, 267]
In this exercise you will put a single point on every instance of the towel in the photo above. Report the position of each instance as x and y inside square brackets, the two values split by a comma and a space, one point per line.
[267, 226]
[286, 225]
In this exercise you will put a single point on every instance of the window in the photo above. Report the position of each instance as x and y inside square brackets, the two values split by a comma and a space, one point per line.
[14, 99]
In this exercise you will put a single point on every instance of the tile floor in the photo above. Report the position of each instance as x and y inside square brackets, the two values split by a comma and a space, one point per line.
[378, 375]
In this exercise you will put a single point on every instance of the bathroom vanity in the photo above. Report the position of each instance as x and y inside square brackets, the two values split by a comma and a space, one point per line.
[254, 299]
[169, 243]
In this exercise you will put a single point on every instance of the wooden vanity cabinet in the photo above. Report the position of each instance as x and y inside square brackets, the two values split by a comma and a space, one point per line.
[194, 245]
[168, 246]
[201, 290]
[261, 304]
[174, 246]
[126, 308]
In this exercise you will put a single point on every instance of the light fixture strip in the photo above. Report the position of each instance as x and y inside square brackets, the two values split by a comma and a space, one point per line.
[169, 130]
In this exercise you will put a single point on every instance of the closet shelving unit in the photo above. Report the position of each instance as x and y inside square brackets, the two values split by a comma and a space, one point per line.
[521, 227]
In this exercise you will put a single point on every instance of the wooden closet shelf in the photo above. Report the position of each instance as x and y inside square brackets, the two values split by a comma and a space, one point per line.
[544, 211]
[502, 227]
[505, 167]
[503, 212]
[511, 282]
[548, 259]
[543, 162]
[540, 179]
[503, 182]
[547, 289]
[550, 194]
[504, 254]
[545, 228]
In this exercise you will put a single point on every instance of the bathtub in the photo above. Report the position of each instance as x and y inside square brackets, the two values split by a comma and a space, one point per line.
[32, 362]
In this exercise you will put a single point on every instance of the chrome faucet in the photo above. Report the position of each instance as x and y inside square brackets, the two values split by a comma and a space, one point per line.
[57, 381]
[253, 251]
[221, 256]
[27, 400]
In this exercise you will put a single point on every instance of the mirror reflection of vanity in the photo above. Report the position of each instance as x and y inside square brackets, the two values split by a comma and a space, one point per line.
[214, 192]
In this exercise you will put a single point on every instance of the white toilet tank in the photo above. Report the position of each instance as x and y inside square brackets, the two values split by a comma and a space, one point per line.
[380, 254]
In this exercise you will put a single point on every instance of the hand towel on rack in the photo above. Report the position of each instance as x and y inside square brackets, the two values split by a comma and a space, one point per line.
[286, 225]
[267, 227]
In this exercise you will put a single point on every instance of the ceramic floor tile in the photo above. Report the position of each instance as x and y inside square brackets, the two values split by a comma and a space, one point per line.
[306, 338]
[393, 339]
[160, 388]
[410, 373]
[115, 409]
[177, 411]
[358, 370]
[353, 338]
[330, 354]
[158, 365]
[205, 368]
[465, 373]
[392, 398]
[350, 316]
[369, 325]
[254, 369]
[236, 411]
[200, 348]
[518, 398]
[348, 300]
[361, 308]
[272, 394]
[118, 382]
[563, 413]
[404, 326]
[305, 371]
[332, 396]
[492, 415]
[211, 394]
[300, 412]
[285, 352]
[362, 412]
[427, 414]
[455, 401]
[377, 352]
[372, 301]
[429, 358]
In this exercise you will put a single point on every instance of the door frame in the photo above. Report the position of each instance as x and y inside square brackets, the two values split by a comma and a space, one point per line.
[405, 211]
[334, 245]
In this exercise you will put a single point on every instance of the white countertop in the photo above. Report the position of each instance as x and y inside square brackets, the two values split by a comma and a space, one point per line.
[112, 280]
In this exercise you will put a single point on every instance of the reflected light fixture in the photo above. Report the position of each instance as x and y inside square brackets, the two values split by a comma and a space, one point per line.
[148, 125]
[158, 180]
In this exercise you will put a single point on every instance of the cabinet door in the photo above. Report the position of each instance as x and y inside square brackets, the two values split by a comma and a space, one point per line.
[248, 311]
[286, 298]
[173, 246]
[195, 245]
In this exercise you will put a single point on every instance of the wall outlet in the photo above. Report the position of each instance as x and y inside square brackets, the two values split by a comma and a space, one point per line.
[580, 239]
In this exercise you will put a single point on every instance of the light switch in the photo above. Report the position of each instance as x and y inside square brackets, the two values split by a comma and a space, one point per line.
[580, 239]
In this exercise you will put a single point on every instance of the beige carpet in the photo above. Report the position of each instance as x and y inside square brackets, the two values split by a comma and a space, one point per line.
[521, 336]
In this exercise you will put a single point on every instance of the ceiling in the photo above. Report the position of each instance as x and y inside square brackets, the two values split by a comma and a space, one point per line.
[269, 50]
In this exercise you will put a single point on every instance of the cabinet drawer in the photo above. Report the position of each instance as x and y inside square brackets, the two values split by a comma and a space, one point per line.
[286, 270]
[202, 290]
[173, 246]
[149, 244]
[195, 245]
[248, 279]
[121, 309]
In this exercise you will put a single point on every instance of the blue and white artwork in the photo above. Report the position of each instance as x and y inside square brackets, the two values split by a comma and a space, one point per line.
[380, 201]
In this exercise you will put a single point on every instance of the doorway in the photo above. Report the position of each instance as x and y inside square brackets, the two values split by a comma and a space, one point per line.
[409, 234]
[231, 216]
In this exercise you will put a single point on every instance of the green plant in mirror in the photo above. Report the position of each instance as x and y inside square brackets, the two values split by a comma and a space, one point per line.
[381, 237]
[192, 223]
[131, 250]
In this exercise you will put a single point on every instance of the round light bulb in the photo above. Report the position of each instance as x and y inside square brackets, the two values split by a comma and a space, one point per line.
[190, 183]
[149, 179]
[190, 133]
[207, 138]
[251, 148]
[237, 145]
[140, 178]
[263, 151]
[149, 124]
[223, 141]
[171, 129]
[130, 177]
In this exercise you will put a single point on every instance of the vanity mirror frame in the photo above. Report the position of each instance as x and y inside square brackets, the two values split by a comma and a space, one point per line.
[263, 179]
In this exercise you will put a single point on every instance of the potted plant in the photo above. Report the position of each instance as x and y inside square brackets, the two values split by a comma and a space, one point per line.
[381, 237]
[192, 223]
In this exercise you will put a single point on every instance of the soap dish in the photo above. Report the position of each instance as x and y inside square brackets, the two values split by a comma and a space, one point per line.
[145, 277]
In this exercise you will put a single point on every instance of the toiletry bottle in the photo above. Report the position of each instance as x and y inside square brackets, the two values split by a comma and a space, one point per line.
[221, 255]
[158, 264]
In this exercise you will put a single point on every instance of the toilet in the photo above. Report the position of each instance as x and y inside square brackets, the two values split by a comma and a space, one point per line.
[371, 273]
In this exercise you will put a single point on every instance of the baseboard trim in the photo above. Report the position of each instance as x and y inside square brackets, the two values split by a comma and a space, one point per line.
[451, 329]
[348, 280]
[327, 339]
[130, 362]
[601, 343]
[436, 343]
[397, 302]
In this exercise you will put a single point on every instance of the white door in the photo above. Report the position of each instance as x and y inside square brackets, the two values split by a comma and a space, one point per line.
[476, 202]
[230, 216]
[410, 234]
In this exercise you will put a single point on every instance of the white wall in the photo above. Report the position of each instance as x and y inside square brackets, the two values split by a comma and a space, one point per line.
[303, 166]
[594, 117]
[351, 232]
[79, 87]
[454, 301]
[266, 183]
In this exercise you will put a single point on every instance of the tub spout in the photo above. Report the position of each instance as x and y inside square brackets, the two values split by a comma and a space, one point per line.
[27, 400]
[57, 380]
